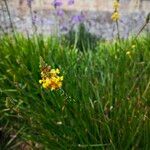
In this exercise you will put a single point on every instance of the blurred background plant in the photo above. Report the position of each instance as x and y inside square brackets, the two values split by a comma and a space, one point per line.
[81, 39]
[39, 17]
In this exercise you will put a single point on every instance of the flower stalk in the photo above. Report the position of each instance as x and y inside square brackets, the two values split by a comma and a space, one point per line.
[50, 78]
[116, 16]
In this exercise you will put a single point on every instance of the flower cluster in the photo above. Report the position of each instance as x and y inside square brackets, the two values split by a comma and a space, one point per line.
[50, 78]
[116, 16]
[75, 19]
[58, 3]
[116, 5]
[130, 52]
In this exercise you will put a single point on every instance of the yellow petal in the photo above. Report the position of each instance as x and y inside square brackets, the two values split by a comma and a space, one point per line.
[61, 78]
[40, 81]
[57, 71]
[53, 71]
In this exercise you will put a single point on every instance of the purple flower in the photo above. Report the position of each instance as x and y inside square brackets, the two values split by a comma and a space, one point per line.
[60, 12]
[29, 2]
[70, 2]
[63, 28]
[57, 3]
[34, 18]
[77, 19]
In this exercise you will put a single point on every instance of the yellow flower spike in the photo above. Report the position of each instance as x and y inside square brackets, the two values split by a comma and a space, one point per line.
[50, 78]
[116, 5]
[115, 16]
[54, 79]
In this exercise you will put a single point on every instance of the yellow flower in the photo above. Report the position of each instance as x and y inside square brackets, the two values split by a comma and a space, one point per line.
[46, 83]
[54, 72]
[52, 82]
[40, 81]
[115, 16]
[61, 78]
[57, 71]
[133, 46]
[128, 53]
[116, 5]
[50, 77]
[55, 83]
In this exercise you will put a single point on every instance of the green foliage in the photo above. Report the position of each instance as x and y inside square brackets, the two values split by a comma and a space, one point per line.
[82, 39]
[104, 102]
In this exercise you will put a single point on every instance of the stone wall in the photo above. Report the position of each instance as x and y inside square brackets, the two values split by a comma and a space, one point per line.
[97, 15]
[91, 5]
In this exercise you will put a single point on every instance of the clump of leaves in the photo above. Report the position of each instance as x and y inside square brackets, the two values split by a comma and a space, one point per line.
[81, 38]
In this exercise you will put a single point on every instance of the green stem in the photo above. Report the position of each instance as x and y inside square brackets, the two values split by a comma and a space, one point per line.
[144, 25]
[11, 23]
[118, 33]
